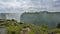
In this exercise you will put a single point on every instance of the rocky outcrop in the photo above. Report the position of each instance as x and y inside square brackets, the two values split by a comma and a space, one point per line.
[25, 31]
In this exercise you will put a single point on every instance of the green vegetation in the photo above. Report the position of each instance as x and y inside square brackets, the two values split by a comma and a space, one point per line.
[14, 27]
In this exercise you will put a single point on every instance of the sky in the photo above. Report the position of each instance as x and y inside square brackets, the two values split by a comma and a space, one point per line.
[20, 6]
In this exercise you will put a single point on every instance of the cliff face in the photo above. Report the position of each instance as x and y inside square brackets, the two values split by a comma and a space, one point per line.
[2, 16]
[48, 18]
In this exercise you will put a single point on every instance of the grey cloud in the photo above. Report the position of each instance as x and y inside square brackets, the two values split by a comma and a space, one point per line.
[30, 5]
[6, 0]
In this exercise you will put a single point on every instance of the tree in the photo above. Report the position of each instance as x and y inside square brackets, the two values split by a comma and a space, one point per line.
[58, 26]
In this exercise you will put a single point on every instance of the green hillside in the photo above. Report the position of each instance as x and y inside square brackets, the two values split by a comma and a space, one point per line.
[14, 27]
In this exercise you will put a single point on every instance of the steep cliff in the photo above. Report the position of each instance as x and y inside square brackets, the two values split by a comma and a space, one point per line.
[47, 18]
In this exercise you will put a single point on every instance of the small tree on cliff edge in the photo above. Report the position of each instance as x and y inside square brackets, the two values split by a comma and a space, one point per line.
[58, 25]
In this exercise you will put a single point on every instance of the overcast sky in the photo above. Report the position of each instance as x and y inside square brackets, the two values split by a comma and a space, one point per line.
[19, 6]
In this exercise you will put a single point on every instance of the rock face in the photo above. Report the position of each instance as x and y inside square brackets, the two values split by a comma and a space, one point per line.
[48, 18]
[25, 31]
[2, 16]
